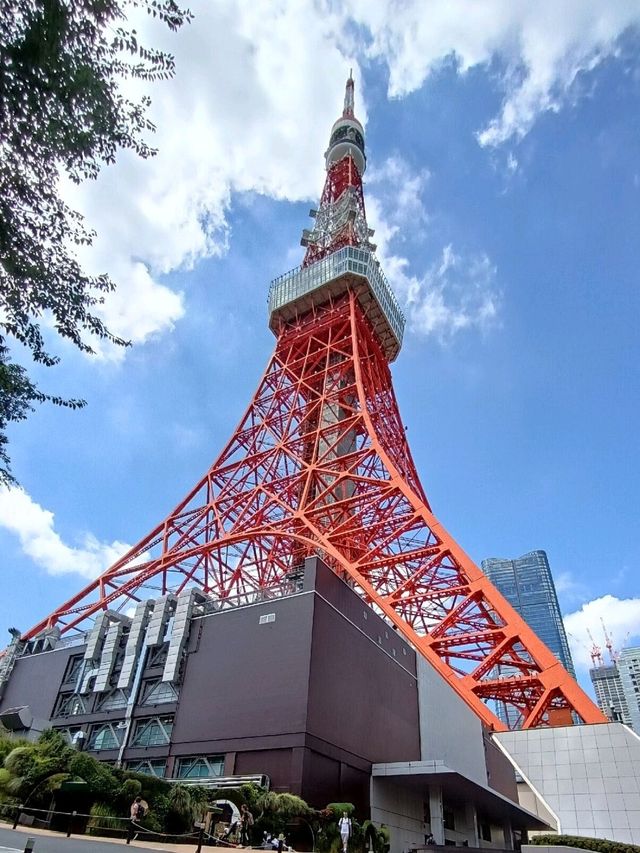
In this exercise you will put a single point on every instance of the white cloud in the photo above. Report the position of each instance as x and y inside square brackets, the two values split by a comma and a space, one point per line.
[542, 47]
[456, 292]
[34, 526]
[246, 111]
[393, 185]
[621, 617]
[569, 588]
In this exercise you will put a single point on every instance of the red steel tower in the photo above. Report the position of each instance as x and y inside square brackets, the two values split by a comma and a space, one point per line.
[319, 464]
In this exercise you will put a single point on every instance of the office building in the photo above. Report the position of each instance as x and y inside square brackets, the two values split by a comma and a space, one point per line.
[609, 691]
[528, 586]
[629, 669]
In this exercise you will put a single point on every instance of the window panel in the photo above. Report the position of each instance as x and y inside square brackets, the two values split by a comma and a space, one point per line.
[155, 731]
[107, 735]
[149, 766]
[200, 767]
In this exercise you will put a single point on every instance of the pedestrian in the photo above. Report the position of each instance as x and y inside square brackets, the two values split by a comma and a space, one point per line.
[138, 809]
[344, 825]
[246, 823]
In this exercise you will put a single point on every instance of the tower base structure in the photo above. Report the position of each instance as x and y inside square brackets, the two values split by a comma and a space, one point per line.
[309, 691]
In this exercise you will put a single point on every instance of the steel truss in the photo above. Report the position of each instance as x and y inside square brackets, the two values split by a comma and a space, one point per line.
[320, 464]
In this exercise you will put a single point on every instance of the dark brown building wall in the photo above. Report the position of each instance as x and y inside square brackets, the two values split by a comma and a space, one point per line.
[310, 699]
[500, 775]
[278, 764]
[35, 681]
[246, 681]
[362, 698]
[321, 779]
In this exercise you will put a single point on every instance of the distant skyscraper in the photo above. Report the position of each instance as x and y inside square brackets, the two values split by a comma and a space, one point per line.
[610, 692]
[629, 669]
[528, 586]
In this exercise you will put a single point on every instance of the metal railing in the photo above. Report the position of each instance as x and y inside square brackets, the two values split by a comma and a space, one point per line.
[303, 280]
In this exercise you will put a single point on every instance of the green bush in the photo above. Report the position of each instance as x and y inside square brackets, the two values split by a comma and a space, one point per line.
[599, 845]
[337, 808]
[103, 821]
[130, 789]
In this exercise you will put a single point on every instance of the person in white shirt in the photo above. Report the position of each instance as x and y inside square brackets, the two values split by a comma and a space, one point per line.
[344, 825]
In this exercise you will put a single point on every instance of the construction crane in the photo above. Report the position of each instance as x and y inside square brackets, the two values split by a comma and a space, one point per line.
[596, 651]
[614, 654]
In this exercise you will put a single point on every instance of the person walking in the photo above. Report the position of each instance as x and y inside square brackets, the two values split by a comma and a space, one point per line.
[138, 810]
[246, 823]
[344, 825]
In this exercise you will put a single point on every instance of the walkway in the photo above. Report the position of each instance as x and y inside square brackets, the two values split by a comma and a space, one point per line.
[54, 842]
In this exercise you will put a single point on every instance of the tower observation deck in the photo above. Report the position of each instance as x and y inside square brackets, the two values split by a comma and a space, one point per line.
[297, 292]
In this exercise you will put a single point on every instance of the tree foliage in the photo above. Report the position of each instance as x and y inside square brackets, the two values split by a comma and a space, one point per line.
[62, 114]
[32, 772]
[36, 769]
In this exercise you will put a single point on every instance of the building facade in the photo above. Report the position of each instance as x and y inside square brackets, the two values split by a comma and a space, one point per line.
[528, 586]
[629, 669]
[308, 691]
[585, 778]
[617, 688]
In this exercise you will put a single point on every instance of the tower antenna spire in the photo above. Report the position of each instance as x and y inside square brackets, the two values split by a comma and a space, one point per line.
[347, 112]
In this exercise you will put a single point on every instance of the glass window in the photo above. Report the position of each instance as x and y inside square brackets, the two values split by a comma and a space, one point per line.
[70, 734]
[150, 766]
[155, 731]
[113, 700]
[449, 817]
[107, 735]
[484, 828]
[158, 656]
[73, 668]
[156, 691]
[200, 767]
[69, 705]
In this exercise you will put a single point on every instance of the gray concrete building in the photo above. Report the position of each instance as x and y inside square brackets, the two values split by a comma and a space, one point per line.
[610, 694]
[586, 779]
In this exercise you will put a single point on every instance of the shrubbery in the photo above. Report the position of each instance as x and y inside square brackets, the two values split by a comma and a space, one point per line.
[599, 845]
[33, 775]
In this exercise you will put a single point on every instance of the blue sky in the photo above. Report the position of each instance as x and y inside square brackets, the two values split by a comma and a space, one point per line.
[504, 183]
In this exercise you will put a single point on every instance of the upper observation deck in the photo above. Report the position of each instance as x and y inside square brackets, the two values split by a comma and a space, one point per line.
[301, 289]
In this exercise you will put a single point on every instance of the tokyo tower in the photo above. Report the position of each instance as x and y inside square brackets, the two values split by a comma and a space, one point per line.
[319, 465]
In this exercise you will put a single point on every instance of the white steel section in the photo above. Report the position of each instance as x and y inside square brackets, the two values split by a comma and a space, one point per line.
[108, 657]
[157, 625]
[134, 643]
[96, 637]
[179, 634]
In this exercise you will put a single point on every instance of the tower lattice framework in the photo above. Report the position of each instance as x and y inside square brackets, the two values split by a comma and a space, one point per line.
[319, 465]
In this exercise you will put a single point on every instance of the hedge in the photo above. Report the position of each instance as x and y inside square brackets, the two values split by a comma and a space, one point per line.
[599, 845]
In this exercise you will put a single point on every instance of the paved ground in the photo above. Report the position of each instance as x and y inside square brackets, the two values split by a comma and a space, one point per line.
[14, 840]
